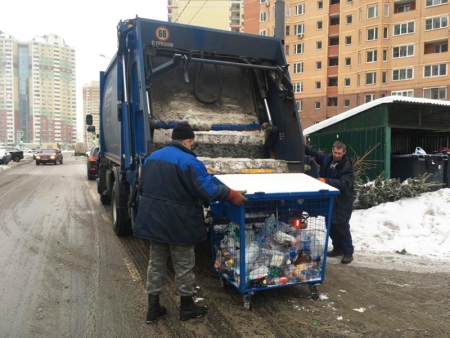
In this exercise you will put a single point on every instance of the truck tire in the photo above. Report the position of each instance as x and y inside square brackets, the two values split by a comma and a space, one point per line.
[121, 219]
[16, 159]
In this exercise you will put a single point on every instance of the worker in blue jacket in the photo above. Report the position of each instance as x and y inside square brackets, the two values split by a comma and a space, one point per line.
[174, 185]
[336, 169]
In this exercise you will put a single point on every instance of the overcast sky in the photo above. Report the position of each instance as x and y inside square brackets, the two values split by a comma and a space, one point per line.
[87, 25]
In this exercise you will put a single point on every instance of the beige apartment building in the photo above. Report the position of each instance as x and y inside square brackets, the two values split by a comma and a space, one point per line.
[343, 53]
[220, 14]
[91, 105]
[37, 90]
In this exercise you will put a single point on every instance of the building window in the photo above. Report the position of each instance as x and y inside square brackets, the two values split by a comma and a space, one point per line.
[288, 10]
[299, 29]
[348, 40]
[317, 84]
[262, 32]
[332, 101]
[319, 24]
[404, 28]
[299, 48]
[299, 9]
[319, 4]
[438, 93]
[402, 74]
[371, 78]
[403, 9]
[317, 105]
[372, 34]
[384, 77]
[371, 56]
[346, 103]
[349, 19]
[298, 87]
[386, 10]
[286, 49]
[369, 97]
[385, 32]
[348, 61]
[436, 23]
[319, 65]
[402, 51]
[262, 16]
[319, 44]
[299, 105]
[347, 82]
[442, 48]
[287, 30]
[429, 3]
[385, 53]
[407, 93]
[435, 70]
[298, 68]
[372, 12]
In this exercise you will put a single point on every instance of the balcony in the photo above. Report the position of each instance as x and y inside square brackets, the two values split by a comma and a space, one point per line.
[404, 6]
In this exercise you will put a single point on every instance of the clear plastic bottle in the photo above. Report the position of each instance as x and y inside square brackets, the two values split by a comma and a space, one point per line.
[316, 249]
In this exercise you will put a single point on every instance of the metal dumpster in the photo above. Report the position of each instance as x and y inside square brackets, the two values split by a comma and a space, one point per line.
[278, 238]
[415, 165]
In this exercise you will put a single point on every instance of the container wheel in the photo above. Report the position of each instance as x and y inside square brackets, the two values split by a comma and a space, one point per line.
[313, 292]
[247, 302]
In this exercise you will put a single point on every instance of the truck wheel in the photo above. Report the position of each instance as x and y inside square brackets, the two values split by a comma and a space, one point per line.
[16, 159]
[121, 219]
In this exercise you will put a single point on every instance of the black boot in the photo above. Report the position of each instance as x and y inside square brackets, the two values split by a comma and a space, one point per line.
[188, 310]
[154, 309]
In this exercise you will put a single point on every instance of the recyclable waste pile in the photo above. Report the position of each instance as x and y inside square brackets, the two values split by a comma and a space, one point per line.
[276, 253]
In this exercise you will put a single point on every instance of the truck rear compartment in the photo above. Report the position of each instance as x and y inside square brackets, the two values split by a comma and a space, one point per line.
[219, 103]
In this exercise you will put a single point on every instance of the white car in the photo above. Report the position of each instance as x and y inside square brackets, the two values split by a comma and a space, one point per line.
[5, 156]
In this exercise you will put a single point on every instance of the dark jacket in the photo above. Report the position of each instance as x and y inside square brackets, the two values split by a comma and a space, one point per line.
[342, 178]
[173, 187]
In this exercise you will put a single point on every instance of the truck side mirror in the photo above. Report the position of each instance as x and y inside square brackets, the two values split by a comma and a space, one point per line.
[89, 120]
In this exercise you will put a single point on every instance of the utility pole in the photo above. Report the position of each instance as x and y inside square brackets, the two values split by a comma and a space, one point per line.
[279, 20]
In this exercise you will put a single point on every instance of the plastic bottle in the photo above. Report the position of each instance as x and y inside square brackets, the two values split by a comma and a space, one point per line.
[316, 249]
[258, 273]
[270, 224]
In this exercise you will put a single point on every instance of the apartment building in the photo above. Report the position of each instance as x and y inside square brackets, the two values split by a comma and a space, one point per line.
[37, 90]
[220, 14]
[9, 91]
[343, 53]
[91, 105]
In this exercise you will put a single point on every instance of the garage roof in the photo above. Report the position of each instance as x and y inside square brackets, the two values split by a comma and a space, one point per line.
[371, 104]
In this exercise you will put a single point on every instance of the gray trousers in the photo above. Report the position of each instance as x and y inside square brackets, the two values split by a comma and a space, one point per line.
[183, 261]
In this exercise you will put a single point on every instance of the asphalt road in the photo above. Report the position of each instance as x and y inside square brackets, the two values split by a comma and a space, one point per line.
[64, 273]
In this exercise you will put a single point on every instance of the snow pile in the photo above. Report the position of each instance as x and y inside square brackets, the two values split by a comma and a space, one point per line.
[418, 226]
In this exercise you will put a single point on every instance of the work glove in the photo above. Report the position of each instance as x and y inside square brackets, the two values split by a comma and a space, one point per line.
[237, 197]
[322, 180]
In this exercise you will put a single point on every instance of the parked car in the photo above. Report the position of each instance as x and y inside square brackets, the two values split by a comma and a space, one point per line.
[5, 156]
[49, 156]
[16, 154]
[92, 165]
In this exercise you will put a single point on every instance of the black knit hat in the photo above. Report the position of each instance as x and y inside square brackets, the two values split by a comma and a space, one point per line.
[182, 131]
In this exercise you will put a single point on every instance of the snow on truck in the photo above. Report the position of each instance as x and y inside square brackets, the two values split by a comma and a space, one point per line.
[232, 88]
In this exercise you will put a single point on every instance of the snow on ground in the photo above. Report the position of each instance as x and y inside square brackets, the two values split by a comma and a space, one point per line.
[410, 234]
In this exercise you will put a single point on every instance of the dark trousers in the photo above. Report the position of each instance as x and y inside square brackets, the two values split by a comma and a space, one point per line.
[341, 238]
[183, 260]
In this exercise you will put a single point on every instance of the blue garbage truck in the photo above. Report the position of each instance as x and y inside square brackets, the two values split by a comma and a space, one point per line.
[233, 88]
